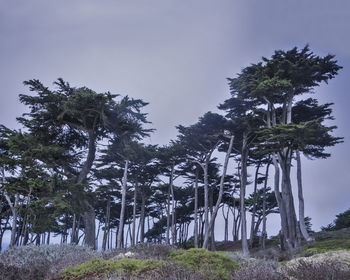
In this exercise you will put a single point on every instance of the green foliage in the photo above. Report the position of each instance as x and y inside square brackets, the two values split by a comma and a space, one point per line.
[327, 245]
[211, 264]
[342, 221]
[98, 267]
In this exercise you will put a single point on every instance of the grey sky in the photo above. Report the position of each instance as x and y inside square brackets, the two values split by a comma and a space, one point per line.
[177, 56]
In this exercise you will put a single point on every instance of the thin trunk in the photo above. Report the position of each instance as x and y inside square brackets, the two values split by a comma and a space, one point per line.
[173, 230]
[122, 211]
[221, 191]
[13, 207]
[301, 201]
[142, 216]
[242, 195]
[264, 233]
[167, 237]
[128, 234]
[106, 231]
[206, 205]
[195, 232]
[37, 239]
[251, 239]
[14, 211]
[227, 215]
[138, 231]
[133, 242]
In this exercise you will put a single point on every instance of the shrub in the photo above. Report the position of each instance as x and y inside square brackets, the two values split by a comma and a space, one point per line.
[152, 251]
[238, 257]
[212, 265]
[100, 267]
[330, 265]
[259, 270]
[39, 262]
[141, 251]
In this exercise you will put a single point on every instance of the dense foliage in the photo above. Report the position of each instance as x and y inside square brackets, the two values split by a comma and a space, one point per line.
[79, 158]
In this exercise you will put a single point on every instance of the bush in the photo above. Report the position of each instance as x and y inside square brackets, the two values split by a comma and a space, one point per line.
[101, 267]
[39, 262]
[259, 270]
[327, 266]
[237, 257]
[141, 251]
[210, 264]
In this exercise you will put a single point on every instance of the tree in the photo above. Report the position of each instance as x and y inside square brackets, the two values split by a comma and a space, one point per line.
[169, 157]
[341, 221]
[200, 141]
[79, 118]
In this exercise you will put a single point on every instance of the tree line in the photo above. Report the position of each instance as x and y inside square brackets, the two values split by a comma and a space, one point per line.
[79, 160]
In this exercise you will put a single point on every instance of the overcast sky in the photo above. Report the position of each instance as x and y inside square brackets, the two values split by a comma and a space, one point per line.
[176, 55]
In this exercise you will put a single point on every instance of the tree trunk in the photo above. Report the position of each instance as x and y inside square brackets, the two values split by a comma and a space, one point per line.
[106, 231]
[281, 200]
[122, 211]
[195, 231]
[167, 237]
[244, 156]
[142, 216]
[173, 230]
[134, 208]
[264, 233]
[89, 214]
[301, 201]
[251, 239]
[72, 236]
[221, 191]
[206, 205]
[14, 211]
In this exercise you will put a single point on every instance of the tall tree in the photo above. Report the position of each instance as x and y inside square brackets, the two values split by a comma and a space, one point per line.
[200, 141]
[79, 117]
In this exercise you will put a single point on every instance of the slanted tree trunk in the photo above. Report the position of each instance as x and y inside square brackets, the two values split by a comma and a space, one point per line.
[14, 211]
[122, 211]
[221, 191]
[195, 231]
[301, 201]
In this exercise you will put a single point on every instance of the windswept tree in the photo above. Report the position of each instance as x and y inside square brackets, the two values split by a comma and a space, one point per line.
[77, 118]
[288, 75]
[200, 141]
[171, 156]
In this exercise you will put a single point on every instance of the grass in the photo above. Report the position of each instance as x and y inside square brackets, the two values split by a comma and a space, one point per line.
[324, 246]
